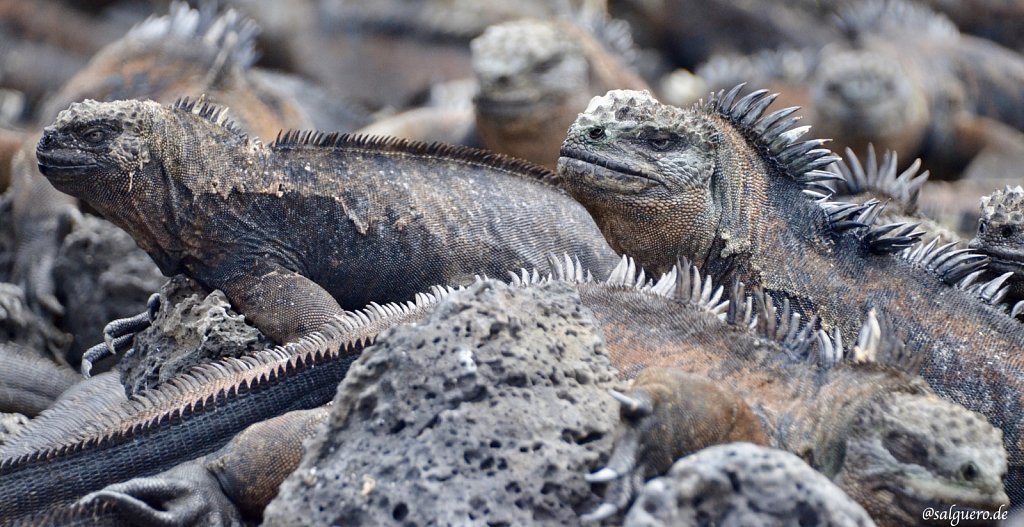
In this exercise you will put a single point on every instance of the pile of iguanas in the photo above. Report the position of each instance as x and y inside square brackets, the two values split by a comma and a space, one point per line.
[733, 261]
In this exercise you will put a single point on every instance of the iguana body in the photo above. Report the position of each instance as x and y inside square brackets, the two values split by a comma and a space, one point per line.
[677, 323]
[855, 419]
[1000, 236]
[294, 231]
[724, 185]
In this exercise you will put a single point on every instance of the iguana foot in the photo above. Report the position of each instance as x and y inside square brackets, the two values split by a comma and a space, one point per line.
[119, 334]
[621, 473]
[185, 495]
[667, 415]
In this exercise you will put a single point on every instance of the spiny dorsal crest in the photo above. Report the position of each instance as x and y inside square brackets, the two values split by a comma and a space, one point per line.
[230, 37]
[908, 19]
[211, 112]
[879, 177]
[1004, 207]
[775, 134]
[961, 268]
[786, 65]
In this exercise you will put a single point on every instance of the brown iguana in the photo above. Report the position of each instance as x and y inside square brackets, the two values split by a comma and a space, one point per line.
[535, 76]
[862, 417]
[1001, 237]
[677, 322]
[296, 230]
[725, 185]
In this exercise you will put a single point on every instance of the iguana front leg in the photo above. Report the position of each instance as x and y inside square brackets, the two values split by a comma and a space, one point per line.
[666, 415]
[283, 304]
[237, 481]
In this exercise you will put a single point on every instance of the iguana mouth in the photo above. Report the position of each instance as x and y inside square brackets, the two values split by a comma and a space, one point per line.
[613, 165]
[914, 505]
[53, 160]
[514, 104]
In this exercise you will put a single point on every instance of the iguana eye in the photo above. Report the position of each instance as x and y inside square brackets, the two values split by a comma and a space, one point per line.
[547, 64]
[596, 133]
[660, 143]
[94, 135]
[1006, 231]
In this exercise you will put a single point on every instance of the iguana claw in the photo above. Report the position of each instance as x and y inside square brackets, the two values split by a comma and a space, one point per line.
[119, 334]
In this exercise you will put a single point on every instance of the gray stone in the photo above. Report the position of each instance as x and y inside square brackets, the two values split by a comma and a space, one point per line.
[489, 412]
[190, 328]
[10, 424]
[742, 484]
[100, 274]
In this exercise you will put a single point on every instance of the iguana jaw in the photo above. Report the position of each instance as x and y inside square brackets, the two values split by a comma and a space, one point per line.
[605, 173]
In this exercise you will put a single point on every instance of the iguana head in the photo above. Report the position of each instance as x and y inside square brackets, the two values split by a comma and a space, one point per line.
[902, 453]
[646, 172]
[94, 150]
[1001, 230]
[527, 66]
[533, 77]
[862, 97]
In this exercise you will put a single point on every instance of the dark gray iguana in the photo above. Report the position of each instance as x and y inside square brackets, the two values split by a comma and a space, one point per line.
[294, 231]
[727, 186]
[202, 408]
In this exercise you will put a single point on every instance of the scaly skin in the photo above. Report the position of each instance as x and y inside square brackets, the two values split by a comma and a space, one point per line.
[728, 391]
[390, 218]
[1001, 237]
[535, 76]
[722, 185]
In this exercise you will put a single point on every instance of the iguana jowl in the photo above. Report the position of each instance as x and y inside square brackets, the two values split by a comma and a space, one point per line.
[725, 185]
[294, 231]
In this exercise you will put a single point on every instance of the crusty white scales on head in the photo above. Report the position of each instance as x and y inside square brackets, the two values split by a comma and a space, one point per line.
[738, 191]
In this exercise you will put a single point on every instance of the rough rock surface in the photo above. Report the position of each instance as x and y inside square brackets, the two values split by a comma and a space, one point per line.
[20, 325]
[100, 275]
[741, 484]
[489, 412]
[191, 327]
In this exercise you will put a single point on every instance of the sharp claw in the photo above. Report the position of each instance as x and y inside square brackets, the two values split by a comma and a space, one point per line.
[630, 403]
[604, 510]
[602, 476]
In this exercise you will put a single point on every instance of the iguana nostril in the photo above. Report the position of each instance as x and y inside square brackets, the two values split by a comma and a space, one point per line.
[969, 471]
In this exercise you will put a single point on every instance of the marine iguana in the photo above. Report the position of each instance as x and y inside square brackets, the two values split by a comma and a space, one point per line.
[203, 409]
[725, 185]
[904, 79]
[730, 391]
[535, 76]
[862, 417]
[1001, 237]
[294, 231]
